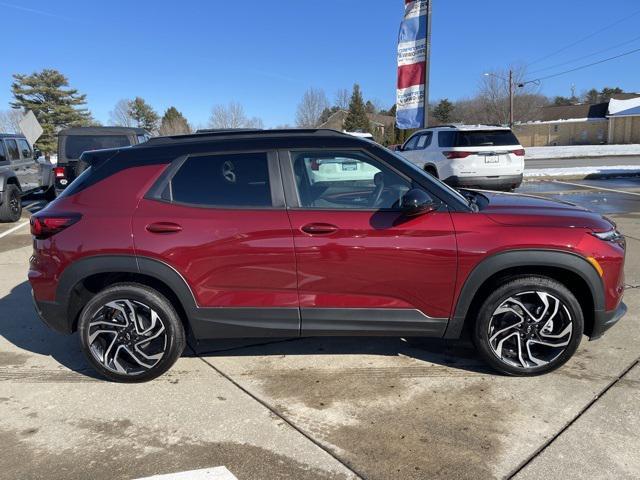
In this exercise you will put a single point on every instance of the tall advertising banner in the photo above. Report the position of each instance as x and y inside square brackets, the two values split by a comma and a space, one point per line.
[413, 60]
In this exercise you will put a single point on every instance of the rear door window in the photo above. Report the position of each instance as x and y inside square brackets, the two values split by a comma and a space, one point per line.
[12, 150]
[235, 180]
[3, 152]
[27, 153]
[76, 145]
[489, 138]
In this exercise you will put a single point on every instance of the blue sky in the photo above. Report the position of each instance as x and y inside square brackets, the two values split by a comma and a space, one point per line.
[265, 54]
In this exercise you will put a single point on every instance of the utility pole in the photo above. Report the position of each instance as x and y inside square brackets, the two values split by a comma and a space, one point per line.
[511, 94]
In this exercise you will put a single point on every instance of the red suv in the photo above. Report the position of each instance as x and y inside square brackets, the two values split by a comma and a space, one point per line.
[306, 233]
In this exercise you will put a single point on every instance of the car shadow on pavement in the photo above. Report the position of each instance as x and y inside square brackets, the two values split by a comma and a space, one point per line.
[457, 355]
[20, 326]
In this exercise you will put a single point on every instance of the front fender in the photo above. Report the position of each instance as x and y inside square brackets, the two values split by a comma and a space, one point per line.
[503, 261]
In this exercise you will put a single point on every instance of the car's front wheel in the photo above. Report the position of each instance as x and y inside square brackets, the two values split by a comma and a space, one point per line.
[11, 208]
[131, 333]
[529, 325]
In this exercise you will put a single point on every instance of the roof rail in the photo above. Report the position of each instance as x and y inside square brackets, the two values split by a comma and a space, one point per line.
[204, 134]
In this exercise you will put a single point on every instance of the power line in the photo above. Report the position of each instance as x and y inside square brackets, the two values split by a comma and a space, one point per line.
[584, 66]
[591, 35]
[585, 56]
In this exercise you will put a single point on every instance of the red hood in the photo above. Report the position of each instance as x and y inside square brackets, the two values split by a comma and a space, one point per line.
[529, 210]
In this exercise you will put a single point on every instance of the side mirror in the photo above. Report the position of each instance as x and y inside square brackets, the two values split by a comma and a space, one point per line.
[417, 202]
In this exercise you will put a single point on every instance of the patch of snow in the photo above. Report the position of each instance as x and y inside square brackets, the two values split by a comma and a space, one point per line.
[580, 151]
[567, 120]
[581, 171]
[624, 107]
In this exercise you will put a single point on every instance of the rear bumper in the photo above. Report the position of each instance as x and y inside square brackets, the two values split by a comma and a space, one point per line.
[603, 321]
[53, 315]
[501, 182]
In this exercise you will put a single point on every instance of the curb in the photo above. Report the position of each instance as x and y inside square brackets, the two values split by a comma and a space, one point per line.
[590, 176]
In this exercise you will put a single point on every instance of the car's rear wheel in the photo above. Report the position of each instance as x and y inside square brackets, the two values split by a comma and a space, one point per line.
[529, 326]
[131, 333]
[11, 208]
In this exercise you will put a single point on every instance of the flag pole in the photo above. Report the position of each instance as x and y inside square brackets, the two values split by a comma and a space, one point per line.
[427, 58]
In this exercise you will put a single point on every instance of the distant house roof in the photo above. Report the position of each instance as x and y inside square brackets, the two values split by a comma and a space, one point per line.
[624, 108]
[578, 112]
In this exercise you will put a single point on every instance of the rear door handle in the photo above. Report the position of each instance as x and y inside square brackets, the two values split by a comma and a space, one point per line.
[164, 227]
[319, 228]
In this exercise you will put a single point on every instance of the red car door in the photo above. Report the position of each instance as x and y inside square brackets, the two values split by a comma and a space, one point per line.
[220, 222]
[363, 266]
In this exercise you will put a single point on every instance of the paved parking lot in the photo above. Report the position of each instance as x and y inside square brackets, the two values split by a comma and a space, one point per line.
[323, 408]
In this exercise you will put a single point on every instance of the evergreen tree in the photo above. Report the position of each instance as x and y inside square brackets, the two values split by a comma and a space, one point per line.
[174, 123]
[357, 119]
[370, 107]
[592, 96]
[55, 105]
[143, 114]
[607, 93]
[443, 113]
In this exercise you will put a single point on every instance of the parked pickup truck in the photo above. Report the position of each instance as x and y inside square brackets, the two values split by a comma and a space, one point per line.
[72, 142]
[21, 172]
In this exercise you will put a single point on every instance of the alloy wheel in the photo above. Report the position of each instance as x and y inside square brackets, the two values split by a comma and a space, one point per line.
[530, 329]
[127, 337]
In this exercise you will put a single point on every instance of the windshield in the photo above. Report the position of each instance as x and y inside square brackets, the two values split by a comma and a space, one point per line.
[75, 145]
[489, 138]
[453, 191]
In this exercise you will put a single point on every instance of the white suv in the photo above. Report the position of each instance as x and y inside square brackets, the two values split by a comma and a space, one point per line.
[477, 156]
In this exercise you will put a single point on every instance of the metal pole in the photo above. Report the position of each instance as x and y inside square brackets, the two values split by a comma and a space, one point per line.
[427, 58]
[511, 98]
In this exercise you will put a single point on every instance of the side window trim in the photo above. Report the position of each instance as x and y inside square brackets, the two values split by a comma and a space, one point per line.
[158, 191]
[293, 201]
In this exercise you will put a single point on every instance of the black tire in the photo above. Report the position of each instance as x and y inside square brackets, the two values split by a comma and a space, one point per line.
[498, 340]
[171, 339]
[11, 208]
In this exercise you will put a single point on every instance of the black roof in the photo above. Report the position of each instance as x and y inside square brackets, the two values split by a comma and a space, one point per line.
[238, 134]
[11, 135]
[103, 131]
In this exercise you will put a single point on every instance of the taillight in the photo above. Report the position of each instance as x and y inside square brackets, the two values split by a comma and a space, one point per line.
[44, 226]
[519, 153]
[457, 154]
[59, 172]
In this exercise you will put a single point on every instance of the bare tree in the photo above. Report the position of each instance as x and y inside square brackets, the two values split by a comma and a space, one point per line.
[494, 96]
[310, 108]
[232, 116]
[10, 120]
[121, 114]
[342, 99]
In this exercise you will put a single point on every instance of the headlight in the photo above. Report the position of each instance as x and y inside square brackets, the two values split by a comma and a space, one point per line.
[610, 236]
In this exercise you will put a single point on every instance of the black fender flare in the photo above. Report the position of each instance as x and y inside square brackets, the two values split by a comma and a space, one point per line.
[498, 262]
[88, 266]
[5, 176]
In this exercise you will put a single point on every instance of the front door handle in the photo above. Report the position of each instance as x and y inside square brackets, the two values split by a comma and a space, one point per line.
[319, 228]
[164, 227]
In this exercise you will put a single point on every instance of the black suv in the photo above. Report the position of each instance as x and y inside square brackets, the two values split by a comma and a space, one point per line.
[21, 172]
[72, 142]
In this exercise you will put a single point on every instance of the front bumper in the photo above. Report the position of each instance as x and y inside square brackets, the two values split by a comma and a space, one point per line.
[603, 321]
[53, 315]
[501, 182]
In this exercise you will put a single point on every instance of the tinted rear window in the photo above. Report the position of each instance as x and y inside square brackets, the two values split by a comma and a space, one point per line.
[493, 138]
[3, 155]
[75, 145]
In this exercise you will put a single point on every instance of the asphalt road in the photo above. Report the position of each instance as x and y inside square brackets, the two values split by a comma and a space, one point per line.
[582, 162]
[333, 408]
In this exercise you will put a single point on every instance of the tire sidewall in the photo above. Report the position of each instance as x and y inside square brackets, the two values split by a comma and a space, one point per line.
[511, 288]
[150, 297]
[11, 192]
